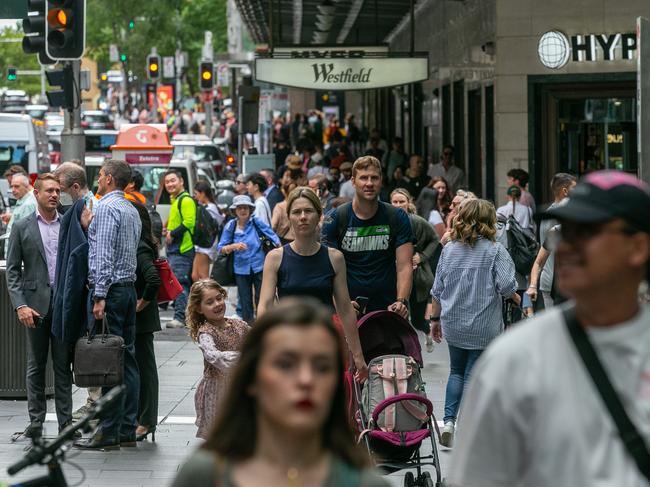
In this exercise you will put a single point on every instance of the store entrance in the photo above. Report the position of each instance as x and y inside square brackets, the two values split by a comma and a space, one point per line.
[582, 123]
[597, 133]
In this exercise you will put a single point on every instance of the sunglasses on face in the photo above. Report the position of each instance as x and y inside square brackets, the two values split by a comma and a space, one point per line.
[446, 153]
[580, 232]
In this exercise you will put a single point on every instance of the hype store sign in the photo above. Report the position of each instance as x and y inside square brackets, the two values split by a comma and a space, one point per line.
[555, 49]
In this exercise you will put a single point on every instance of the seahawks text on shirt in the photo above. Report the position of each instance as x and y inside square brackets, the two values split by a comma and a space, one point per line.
[364, 239]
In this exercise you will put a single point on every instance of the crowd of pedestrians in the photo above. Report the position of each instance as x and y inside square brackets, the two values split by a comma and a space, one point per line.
[332, 235]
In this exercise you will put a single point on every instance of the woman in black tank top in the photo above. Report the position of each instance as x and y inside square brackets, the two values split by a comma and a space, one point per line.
[304, 267]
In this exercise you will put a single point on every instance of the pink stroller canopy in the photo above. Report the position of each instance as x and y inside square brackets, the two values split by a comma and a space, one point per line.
[387, 333]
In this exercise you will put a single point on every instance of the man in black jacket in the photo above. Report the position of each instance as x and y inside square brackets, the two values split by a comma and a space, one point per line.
[272, 192]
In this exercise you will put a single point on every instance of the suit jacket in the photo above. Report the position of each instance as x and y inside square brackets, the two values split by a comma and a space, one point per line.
[274, 197]
[69, 312]
[28, 285]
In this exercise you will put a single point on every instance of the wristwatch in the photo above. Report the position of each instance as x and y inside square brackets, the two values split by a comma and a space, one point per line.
[434, 318]
[404, 301]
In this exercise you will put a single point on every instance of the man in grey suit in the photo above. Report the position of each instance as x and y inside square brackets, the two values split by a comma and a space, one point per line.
[31, 267]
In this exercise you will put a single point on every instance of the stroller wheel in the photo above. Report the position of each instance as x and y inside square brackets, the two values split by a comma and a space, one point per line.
[409, 480]
[427, 481]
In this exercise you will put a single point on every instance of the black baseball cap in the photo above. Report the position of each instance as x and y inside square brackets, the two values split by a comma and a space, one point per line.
[605, 195]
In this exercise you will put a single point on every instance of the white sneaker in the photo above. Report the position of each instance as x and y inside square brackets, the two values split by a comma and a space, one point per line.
[447, 436]
[430, 344]
[175, 324]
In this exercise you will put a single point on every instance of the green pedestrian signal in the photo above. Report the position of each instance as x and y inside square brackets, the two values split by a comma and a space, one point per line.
[123, 57]
[12, 74]
[131, 24]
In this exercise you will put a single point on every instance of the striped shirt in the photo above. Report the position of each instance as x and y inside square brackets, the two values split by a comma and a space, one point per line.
[113, 238]
[469, 284]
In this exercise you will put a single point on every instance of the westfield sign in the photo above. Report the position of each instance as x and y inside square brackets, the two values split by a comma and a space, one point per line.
[340, 69]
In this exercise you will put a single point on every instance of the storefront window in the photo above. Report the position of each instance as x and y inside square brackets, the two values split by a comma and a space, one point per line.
[597, 133]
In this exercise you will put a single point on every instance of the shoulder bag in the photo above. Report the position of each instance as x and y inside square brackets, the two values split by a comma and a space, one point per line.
[99, 359]
[267, 243]
[630, 436]
[223, 269]
[169, 288]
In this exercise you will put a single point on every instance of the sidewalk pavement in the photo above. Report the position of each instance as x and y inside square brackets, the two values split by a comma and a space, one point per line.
[180, 366]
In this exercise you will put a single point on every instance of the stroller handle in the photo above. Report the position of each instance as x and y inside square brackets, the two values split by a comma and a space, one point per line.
[409, 396]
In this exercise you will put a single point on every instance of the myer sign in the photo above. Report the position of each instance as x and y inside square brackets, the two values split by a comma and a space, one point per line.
[555, 49]
[340, 69]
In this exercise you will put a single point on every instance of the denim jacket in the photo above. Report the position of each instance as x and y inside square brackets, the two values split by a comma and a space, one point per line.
[251, 259]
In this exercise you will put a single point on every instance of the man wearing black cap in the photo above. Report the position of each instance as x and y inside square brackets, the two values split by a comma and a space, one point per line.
[533, 415]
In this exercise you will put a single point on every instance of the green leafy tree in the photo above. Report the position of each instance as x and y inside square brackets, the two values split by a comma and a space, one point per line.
[12, 55]
[164, 24]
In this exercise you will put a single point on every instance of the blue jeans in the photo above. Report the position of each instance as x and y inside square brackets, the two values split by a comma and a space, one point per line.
[121, 418]
[461, 363]
[245, 284]
[181, 264]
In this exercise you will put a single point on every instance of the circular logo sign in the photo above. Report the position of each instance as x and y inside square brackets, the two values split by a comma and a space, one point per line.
[554, 49]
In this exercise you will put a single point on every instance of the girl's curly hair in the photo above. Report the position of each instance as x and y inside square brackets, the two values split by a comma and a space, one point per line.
[193, 316]
[476, 219]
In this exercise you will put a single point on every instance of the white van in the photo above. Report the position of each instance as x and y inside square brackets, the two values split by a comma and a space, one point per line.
[153, 188]
[23, 141]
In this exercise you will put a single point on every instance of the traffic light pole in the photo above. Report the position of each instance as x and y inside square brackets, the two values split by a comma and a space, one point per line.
[209, 108]
[73, 140]
[240, 134]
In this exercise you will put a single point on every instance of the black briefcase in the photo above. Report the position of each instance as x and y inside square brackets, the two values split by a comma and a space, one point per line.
[99, 359]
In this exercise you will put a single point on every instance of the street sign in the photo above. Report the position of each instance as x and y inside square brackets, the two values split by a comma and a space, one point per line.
[168, 67]
[113, 53]
[223, 74]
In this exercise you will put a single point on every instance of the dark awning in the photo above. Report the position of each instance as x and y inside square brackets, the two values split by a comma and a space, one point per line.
[304, 22]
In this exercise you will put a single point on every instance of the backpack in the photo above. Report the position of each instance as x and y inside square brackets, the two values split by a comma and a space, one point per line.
[522, 246]
[206, 228]
[388, 376]
[343, 217]
[156, 221]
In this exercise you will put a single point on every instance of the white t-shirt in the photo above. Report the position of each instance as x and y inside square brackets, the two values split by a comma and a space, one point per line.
[263, 210]
[522, 213]
[347, 190]
[435, 217]
[532, 416]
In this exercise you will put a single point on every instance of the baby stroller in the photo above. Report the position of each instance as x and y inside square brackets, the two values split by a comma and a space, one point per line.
[393, 413]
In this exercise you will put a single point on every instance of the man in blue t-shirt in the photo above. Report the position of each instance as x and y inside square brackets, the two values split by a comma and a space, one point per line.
[376, 240]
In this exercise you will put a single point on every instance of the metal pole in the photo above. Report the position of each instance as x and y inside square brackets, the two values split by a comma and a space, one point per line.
[240, 134]
[209, 108]
[271, 26]
[43, 96]
[73, 140]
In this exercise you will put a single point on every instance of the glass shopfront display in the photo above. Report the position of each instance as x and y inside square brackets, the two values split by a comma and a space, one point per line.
[597, 133]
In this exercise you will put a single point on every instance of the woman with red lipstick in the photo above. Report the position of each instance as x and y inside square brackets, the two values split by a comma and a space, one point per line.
[304, 267]
[284, 420]
[219, 339]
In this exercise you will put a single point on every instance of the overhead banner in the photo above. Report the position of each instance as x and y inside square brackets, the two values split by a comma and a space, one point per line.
[340, 69]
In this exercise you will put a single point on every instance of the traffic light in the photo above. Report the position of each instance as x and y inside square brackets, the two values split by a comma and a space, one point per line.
[34, 28]
[66, 29]
[153, 67]
[64, 97]
[12, 74]
[206, 75]
[123, 57]
[250, 98]
[131, 24]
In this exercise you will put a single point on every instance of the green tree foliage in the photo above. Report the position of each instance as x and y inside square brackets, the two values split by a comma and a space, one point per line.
[164, 24]
[11, 54]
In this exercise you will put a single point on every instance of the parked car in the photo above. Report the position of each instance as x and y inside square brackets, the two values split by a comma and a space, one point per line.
[96, 119]
[200, 149]
[23, 141]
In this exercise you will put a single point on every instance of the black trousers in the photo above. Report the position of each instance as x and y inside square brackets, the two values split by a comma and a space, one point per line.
[146, 358]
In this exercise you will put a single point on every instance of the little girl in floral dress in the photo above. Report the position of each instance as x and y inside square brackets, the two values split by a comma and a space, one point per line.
[220, 339]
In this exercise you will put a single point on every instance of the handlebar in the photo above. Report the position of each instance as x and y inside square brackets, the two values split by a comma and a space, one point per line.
[39, 452]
